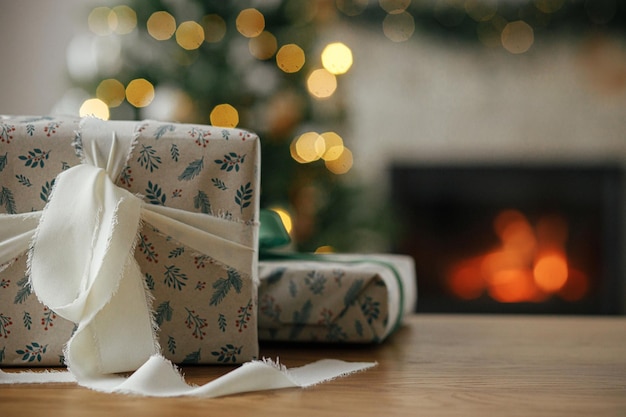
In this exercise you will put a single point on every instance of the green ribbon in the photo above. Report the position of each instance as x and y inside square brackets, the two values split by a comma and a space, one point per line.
[272, 235]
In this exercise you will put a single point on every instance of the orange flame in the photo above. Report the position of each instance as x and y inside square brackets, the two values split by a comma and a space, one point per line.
[529, 264]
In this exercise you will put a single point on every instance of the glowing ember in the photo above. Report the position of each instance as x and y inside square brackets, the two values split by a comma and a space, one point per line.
[529, 265]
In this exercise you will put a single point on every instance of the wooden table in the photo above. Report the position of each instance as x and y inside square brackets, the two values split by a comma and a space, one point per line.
[436, 365]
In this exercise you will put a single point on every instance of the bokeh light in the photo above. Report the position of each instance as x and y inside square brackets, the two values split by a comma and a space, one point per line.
[481, 11]
[321, 83]
[94, 107]
[399, 27]
[214, 28]
[337, 58]
[394, 6]
[140, 92]
[342, 164]
[517, 37]
[125, 19]
[189, 35]
[308, 147]
[263, 46]
[290, 58]
[250, 23]
[98, 21]
[224, 115]
[285, 218]
[351, 7]
[111, 92]
[333, 144]
[161, 25]
[549, 6]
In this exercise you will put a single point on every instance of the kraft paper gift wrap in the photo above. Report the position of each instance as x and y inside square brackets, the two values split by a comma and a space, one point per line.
[335, 298]
[197, 243]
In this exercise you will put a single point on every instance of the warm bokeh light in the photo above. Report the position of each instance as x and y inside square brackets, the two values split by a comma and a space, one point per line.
[337, 58]
[214, 28]
[94, 107]
[161, 25]
[111, 92]
[490, 32]
[285, 217]
[465, 280]
[125, 19]
[325, 249]
[576, 287]
[481, 11]
[98, 21]
[309, 147]
[224, 115]
[321, 83]
[250, 23]
[140, 92]
[517, 37]
[399, 27]
[263, 46]
[512, 286]
[551, 272]
[290, 58]
[394, 6]
[333, 143]
[189, 35]
[341, 165]
[351, 7]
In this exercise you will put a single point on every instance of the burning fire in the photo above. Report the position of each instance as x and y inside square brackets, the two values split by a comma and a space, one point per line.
[530, 264]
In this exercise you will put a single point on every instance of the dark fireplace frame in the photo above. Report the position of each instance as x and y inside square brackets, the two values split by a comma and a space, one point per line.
[432, 201]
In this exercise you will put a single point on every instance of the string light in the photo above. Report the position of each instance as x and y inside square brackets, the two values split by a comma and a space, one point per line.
[250, 23]
[224, 115]
[333, 143]
[337, 58]
[321, 83]
[140, 92]
[290, 58]
[161, 25]
[98, 21]
[263, 46]
[309, 147]
[342, 164]
[214, 28]
[94, 107]
[111, 92]
[125, 19]
[399, 27]
[189, 35]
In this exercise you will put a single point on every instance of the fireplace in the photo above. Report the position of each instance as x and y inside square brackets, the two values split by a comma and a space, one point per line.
[513, 239]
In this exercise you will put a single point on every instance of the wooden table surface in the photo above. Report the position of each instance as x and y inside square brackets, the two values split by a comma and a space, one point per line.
[436, 365]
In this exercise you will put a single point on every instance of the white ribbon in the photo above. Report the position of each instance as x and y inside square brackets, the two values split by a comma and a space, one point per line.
[82, 267]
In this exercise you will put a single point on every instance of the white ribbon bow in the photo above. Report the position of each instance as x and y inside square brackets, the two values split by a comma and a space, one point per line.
[82, 267]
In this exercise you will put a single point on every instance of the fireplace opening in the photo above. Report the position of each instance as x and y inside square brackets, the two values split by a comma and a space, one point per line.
[513, 239]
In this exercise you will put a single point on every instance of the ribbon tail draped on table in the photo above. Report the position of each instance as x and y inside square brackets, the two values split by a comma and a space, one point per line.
[94, 281]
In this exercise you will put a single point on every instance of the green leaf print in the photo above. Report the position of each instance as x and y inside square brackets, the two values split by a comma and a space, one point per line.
[231, 161]
[202, 203]
[24, 290]
[3, 161]
[46, 189]
[163, 129]
[171, 345]
[300, 319]
[219, 184]
[193, 169]
[23, 180]
[227, 353]
[35, 158]
[32, 352]
[163, 313]
[155, 194]
[174, 152]
[193, 357]
[244, 196]
[7, 200]
[353, 292]
[223, 285]
[174, 278]
[148, 158]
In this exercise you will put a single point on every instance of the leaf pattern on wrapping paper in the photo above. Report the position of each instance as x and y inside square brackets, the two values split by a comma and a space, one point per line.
[192, 358]
[231, 160]
[316, 281]
[174, 277]
[197, 323]
[193, 169]
[6, 132]
[24, 290]
[148, 158]
[149, 281]
[2, 354]
[7, 200]
[221, 322]
[174, 152]
[22, 179]
[275, 276]
[334, 331]
[35, 158]
[244, 196]
[27, 320]
[227, 353]
[243, 316]
[370, 309]
[202, 203]
[33, 351]
[5, 322]
[46, 189]
[353, 292]
[163, 313]
[269, 307]
[171, 345]
[163, 129]
[300, 319]
[219, 184]
[176, 252]
[155, 194]
[223, 285]
[3, 161]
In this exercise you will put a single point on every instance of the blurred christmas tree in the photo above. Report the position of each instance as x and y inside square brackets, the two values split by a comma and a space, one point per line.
[257, 65]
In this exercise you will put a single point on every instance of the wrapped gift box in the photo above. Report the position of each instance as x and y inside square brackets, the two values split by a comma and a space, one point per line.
[204, 306]
[335, 298]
